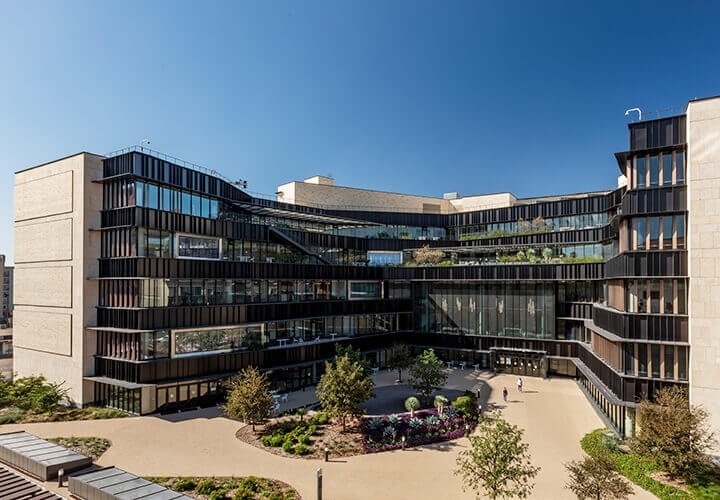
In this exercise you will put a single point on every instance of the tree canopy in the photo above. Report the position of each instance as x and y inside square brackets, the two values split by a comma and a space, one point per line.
[249, 397]
[675, 434]
[595, 478]
[343, 387]
[426, 373]
[497, 463]
[399, 359]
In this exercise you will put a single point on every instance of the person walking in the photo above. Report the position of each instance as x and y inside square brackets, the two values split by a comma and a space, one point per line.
[505, 394]
[519, 384]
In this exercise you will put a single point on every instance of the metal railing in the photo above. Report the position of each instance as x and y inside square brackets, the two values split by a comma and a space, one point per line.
[656, 114]
[169, 158]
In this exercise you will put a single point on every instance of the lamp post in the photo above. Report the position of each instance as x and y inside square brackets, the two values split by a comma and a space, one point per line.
[327, 453]
[319, 484]
[61, 476]
[402, 440]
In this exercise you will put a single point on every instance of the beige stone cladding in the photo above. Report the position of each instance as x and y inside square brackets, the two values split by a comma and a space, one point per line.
[703, 185]
[56, 252]
[320, 192]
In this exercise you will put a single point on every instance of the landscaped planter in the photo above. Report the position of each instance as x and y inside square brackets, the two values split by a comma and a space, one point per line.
[384, 433]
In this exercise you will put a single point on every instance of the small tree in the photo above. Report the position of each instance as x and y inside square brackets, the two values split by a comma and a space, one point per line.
[355, 356]
[249, 397]
[440, 403]
[538, 224]
[399, 359]
[595, 478]
[497, 463]
[343, 387]
[427, 255]
[426, 374]
[411, 404]
[673, 433]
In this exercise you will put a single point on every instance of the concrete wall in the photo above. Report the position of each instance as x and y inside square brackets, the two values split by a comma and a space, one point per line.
[56, 204]
[703, 180]
[320, 194]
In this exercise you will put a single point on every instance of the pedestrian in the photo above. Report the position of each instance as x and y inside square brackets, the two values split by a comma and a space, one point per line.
[505, 394]
[519, 384]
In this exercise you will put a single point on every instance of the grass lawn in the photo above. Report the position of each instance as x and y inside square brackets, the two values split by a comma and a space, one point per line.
[643, 472]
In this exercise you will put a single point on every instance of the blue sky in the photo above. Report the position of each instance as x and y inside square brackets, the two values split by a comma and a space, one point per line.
[409, 96]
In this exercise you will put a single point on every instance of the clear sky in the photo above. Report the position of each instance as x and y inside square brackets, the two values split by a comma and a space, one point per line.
[410, 96]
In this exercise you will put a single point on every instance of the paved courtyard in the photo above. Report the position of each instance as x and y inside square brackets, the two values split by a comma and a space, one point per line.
[553, 412]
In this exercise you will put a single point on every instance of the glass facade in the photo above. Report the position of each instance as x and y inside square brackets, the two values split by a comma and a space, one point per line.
[512, 310]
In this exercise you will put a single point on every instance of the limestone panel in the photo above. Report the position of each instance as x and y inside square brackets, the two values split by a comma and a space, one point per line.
[43, 331]
[44, 241]
[43, 286]
[51, 195]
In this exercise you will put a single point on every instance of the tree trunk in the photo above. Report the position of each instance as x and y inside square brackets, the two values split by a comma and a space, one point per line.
[253, 426]
[399, 375]
[343, 421]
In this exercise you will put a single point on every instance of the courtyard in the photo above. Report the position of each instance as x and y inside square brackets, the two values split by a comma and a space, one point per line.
[554, 413]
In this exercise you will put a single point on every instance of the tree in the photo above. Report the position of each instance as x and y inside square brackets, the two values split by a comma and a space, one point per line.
[595, 478]
[343, 387]
[249, 397]
[426, 374]
[497, 463]
[547, 254]
[427, 255]
[440, 403]
[399, 359]
[355, 355]
[673, 433]
[411, 404]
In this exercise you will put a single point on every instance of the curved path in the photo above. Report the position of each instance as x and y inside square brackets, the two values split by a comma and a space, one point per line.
[554, 414]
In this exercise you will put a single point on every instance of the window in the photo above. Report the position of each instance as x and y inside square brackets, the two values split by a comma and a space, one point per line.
[667, 223]
[667, 169]
[641, 170]
[679, 167]
[196, 247]
[669, 365]
[682, 362]
[654, 232]
[642, 360]
[365, 290]
[655, 359]
[641, 234]
[152, 199]
[654, 293]
[681, 297]
[668, 296]
[216, 340]
[140, 194]
[654, 170]
[680, 230]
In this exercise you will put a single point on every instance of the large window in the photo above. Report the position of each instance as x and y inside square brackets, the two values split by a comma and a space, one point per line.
[654, 170]
[154, 243]
[173, 200]
[365, 290]
[196, 247]
[216, 340]
[641, 171]
[667, 160]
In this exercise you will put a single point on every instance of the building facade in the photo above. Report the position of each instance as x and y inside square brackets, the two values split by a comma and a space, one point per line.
[6, 294]
[153, 280]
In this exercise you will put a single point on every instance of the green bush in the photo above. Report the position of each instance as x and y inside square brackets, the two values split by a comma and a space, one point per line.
[184, 484]
[11, 415]
[250, 483]
[465, 405]
[206, 486]
[276, 440]
[219, 494]
[287, 446]
[301, 449]
[303, 439]
[320, 418]
[243, 494]
[266, 440]
[32, 394]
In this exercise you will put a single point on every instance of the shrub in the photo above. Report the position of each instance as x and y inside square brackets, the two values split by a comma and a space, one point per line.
[320, 418]
[432, 421]
[303, 439]
[34, 394]
[243, 494]
[301, 449]
[465, 405]
[250, 483]
[287, 446]
[206, 486]
[415, 423]
[277, 440]
[266, 440]
[219, 494]
[394, 419]
[374, 424]
[184, 484]
[11, 415]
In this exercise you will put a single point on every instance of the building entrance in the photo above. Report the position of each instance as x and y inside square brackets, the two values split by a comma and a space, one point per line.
[520, 362]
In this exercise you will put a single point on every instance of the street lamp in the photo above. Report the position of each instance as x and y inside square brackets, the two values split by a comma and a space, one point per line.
[319, 484]
[402, 440]
[327, 452]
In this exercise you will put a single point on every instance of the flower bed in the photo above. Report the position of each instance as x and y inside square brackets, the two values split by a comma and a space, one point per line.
[385, 432]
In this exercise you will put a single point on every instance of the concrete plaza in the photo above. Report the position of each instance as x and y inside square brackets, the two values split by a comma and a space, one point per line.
[554, 413]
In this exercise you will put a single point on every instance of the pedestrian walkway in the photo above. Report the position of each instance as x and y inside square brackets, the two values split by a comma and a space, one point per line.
[554, 414]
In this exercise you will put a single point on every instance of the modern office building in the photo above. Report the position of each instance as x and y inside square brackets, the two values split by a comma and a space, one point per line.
[144, 281]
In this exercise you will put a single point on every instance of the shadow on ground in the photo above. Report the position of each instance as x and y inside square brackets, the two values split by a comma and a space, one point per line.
[391, 399]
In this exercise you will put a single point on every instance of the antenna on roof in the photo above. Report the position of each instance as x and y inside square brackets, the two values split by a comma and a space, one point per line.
[634, 109]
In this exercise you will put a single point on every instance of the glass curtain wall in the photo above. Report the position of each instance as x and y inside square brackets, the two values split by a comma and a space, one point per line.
[526, 310]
